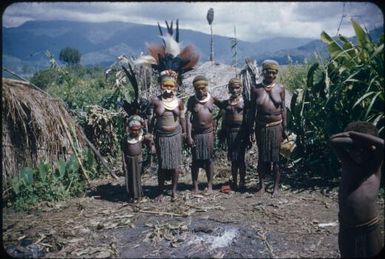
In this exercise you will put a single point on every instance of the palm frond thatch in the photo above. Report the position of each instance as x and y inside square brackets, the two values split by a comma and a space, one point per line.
[35, 128]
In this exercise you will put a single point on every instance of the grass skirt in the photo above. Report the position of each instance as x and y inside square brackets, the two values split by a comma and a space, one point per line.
[269, 142]
[169, 149]
[203, 148]
[132, 167]
[235, 144]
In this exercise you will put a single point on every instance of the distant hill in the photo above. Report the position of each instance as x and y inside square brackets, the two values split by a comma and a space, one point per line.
[307, 51]
[101, 43]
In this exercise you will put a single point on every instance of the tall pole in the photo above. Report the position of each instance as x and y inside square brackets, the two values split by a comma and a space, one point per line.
[211, 44]
[210, 19]
[236, 43]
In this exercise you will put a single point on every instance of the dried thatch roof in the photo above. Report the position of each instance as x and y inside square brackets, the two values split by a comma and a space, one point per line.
[35, 128]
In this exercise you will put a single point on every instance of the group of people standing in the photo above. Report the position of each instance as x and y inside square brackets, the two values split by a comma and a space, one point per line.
[261, 119]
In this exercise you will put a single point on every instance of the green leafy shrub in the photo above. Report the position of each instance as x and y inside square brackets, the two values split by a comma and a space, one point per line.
[45, 78]
[349, 87]
[51, 183]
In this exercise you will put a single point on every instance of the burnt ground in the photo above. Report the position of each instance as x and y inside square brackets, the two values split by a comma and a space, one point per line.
[301, 222]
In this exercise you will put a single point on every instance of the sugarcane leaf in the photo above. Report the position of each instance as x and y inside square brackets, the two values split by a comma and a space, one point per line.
[362, 98]
[371, 104]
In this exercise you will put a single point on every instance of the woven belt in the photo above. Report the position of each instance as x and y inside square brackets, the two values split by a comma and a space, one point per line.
[367, 224]
[271, 124]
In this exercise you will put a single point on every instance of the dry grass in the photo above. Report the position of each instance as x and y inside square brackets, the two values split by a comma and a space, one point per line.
[35, 128]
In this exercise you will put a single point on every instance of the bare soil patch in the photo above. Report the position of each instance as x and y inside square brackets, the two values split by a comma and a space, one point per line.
[301, 222]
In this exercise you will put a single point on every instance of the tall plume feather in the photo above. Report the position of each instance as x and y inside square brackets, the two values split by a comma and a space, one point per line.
[169, 55]
[172, 47]
[156, 50]
[177, 30]
[148, 60]
[190, 56]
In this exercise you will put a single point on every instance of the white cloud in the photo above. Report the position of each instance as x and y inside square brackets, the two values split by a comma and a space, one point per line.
[253, 20]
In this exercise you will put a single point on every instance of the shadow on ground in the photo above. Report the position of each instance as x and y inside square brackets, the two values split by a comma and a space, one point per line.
[299, 181]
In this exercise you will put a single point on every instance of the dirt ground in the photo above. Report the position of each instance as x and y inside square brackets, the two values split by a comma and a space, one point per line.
[300, 222]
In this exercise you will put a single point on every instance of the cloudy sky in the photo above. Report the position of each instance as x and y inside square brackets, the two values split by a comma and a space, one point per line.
[253, 20]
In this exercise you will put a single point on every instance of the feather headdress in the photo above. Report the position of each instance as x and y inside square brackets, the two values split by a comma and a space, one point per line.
[169, 55]
[138, 106]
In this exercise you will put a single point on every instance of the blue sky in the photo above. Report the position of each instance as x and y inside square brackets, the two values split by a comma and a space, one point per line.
[253, 20]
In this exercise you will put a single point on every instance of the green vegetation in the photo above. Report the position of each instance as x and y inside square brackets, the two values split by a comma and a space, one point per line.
[327, 95]
[51, 183]
[349, 87]
[70, 56]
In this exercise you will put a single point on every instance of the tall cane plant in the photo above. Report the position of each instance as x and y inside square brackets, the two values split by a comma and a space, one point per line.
[348, 87]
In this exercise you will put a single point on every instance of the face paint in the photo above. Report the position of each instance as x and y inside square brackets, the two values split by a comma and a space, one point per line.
[168, 89]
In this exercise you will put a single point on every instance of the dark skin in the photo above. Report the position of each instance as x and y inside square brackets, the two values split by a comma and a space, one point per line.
[135, 149]
[234, 110]
[361, 156]
[268, 105]
[199, 117]
[167, 121]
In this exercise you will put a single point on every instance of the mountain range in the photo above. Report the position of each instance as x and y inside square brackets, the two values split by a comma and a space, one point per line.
[102, 43]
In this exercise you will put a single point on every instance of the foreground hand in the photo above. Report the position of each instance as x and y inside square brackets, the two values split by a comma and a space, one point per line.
[190, 142]
[366, 140]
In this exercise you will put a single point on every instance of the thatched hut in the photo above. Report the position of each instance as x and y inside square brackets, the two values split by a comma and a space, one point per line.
[35, 127]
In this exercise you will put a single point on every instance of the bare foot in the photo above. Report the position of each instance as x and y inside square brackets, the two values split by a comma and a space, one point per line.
[173, 196]
[195, 190]
[260, 191]
[275, 193]
[159, 198]
[209, 189]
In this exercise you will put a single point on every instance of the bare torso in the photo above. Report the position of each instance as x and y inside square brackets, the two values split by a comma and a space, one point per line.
[357, 196]
[166, 119]
[201, 113]
[134, 149]
[234, 112]
[268, 103]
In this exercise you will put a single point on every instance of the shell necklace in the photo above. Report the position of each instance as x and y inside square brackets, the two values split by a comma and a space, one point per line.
[236, 100]
[170, 103]
[268, 87]
[132, 140]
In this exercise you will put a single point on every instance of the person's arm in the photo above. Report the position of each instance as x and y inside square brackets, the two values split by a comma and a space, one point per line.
[371, 144]
[222, 130]
[149, 142]
[152, 117]
[218, 103]
[339, 142]
[182, 118]
[190, 141]
[251, 112]
[283, 112]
